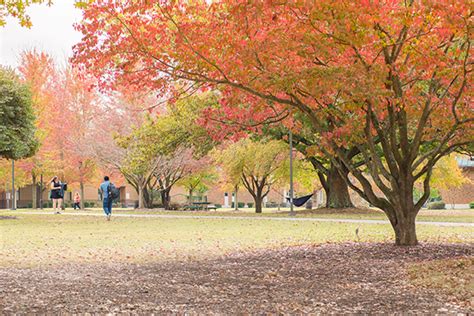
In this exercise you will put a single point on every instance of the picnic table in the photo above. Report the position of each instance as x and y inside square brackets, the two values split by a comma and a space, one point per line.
[201, 206]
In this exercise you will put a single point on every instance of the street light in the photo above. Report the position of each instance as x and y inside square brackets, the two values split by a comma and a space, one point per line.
[292, 212]
[13, 186]
[41, 191]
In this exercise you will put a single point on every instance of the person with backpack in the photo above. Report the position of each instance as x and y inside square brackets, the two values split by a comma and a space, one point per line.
[56, 194]
[109, 194]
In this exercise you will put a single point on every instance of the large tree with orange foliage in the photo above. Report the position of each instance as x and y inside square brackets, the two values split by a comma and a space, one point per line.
[390, 78]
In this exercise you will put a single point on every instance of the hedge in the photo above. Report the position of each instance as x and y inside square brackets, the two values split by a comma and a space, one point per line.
[438, 205]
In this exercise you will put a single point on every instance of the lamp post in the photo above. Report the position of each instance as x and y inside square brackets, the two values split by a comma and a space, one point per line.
[292, 212]
[41, 191]
[13, 186]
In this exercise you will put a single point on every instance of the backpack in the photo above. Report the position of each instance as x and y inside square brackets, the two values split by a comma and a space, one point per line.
[112, 192]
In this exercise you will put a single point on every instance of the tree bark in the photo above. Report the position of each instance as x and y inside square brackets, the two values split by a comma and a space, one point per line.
[337, 190]
[258, 203]
[190, 196]
[147, 197]
[166, 199]
[405, 231]
[141, 203]
[81, 185]
[258, 198]
[236, 201]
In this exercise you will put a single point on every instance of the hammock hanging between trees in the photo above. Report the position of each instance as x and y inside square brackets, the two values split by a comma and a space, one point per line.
[301, 200]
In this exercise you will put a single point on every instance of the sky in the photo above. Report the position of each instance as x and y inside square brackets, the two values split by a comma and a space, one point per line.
[52, 32]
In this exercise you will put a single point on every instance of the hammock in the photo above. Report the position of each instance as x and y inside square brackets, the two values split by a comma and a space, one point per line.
[301, 200]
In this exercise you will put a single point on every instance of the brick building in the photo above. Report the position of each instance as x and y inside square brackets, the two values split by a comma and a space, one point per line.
[454, 198]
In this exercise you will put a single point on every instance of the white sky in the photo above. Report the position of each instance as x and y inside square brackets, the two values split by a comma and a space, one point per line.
[52, 32]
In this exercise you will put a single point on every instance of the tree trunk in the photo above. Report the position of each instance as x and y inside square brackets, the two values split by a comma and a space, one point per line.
[141, 203]
[190, 196]
[258, 203]
[405, 231]
[258, 198]
[337, 191]
[34, 192]
[236, 201]
[81, 184]
[166, 199]
[147, 197]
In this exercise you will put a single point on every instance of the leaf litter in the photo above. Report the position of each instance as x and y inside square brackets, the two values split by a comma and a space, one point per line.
[327, 278]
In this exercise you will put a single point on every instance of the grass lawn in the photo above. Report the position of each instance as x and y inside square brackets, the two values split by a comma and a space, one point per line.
[461, 216]
[32, 240]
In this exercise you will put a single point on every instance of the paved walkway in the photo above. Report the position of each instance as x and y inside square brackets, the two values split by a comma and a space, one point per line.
[297, 219]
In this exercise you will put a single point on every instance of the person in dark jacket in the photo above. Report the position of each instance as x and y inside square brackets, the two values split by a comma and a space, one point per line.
[56, 191]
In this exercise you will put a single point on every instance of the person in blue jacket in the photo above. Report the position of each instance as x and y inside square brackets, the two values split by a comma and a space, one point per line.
[106, 199]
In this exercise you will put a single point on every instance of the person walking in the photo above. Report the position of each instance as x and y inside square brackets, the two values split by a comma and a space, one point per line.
[106, 198]
[56, 196]
[77, 201]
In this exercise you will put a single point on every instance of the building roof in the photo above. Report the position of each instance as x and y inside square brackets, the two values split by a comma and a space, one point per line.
[465, 162]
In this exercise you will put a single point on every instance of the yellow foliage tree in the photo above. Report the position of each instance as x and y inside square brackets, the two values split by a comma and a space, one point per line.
[447, 176]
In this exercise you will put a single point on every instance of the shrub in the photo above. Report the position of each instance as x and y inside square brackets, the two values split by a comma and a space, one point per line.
[439, 205]
[175, 206]
[241, 204]
[471, 205]
[218, 205]
[29, 205]
[48, 204]
[86, 204]
[250, 205]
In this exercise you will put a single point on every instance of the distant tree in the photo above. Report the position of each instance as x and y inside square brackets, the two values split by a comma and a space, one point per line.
[149, 162]
[199, 181]
[447, 176]
[83, 104]
[255, 163]
[182, 124]
[17, 129]
[21, 176]
[140, 161]
[179, 135]
[174, 168]
[39, 72]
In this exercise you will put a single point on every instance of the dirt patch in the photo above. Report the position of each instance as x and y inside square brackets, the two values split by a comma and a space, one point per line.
[7, 217]
[332, 278]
